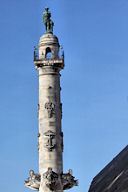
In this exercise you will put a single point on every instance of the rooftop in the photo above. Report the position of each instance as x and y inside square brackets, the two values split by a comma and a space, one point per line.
[114, 177]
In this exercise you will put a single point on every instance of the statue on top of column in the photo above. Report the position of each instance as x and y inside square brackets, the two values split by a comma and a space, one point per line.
[47, 21]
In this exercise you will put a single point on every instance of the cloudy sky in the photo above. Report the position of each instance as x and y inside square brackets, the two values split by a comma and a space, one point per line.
[94, 34]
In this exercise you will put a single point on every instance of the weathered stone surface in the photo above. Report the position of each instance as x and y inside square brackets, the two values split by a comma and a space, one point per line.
[114, 177]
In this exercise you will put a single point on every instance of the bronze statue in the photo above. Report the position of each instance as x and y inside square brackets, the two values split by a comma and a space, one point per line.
[47, 21]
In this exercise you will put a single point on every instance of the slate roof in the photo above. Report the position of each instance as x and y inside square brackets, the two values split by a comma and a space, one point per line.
[114, 177]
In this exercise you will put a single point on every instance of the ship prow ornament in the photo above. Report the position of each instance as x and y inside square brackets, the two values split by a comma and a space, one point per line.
[49, 63]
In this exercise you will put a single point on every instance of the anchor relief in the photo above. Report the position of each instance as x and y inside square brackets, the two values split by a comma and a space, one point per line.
[50, 136]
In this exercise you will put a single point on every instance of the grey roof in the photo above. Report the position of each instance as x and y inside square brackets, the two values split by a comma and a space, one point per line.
[114, 177]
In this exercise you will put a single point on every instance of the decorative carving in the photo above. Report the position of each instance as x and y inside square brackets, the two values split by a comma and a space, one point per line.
[68, 180]
[33, 181]
[50, 108]
[50, 136]
[51, 179]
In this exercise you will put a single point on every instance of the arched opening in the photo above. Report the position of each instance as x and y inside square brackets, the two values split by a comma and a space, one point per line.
[48, 53]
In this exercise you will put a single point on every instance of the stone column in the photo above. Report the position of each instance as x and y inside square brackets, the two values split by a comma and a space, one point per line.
[50, 138]
[50, 134]
[50, 111]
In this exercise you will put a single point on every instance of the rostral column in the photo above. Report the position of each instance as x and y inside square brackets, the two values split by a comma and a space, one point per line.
[50, 138]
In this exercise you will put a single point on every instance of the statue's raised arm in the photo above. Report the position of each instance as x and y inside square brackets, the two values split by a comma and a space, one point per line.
[47, 21]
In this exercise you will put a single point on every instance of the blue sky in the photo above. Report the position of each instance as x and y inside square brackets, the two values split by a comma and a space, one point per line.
[94, 34]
